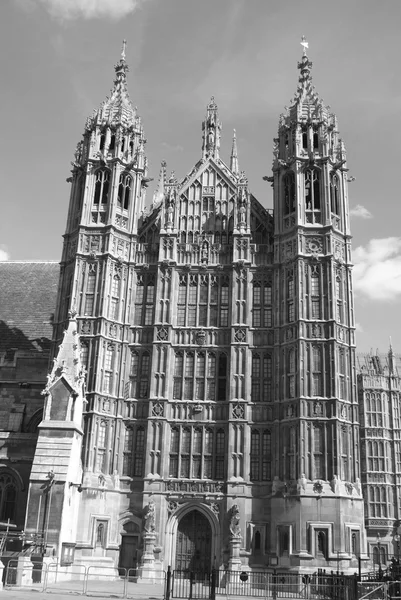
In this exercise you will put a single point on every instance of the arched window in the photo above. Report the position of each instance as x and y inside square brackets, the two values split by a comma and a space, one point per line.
[112, 142]
[312, 195]
[8, 498]
[289, 193]
[139, 452]
[316, 371]
[334, 194]
[321, 543]
[124, 191]
[257, 542]
[102, 141]
[102, 183]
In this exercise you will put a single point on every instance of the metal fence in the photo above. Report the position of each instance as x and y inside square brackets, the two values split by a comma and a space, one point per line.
[260, 584]
[87, 581]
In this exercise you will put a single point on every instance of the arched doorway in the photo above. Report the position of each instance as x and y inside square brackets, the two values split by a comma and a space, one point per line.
[194, 543]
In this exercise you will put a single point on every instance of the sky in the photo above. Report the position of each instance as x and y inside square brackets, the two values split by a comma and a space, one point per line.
[57, 62]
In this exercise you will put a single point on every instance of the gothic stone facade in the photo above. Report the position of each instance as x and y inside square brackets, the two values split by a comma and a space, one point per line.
[219, 426]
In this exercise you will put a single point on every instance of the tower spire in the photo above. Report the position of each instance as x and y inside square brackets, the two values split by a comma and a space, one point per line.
[160, 190]
[234, 155]
[118, 108]
[211, 131]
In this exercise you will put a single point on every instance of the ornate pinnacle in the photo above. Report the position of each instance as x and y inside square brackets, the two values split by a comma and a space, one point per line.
[234, 155]
[304, 43]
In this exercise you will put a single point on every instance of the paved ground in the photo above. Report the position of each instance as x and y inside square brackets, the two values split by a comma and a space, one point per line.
[95, 588]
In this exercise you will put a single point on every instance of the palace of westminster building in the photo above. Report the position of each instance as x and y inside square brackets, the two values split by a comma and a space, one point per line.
[204, 405]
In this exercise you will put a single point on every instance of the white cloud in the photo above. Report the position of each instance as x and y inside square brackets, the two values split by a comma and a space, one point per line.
[361, 212]
[4, 255]
[90, 9]
[359, 327]
[377, 271]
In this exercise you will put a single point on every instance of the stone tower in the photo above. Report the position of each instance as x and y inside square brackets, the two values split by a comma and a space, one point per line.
[221, 424]
[316, 427]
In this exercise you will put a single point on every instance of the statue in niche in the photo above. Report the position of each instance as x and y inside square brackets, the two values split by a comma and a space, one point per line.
[275, 485]
[149, 525]
[301, 483]
[335, 484]
[235, 528]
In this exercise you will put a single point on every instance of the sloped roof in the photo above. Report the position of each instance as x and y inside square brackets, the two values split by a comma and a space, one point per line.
[377, 363]
[28, 292]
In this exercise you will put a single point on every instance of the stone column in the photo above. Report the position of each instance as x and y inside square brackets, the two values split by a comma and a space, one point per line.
[234, 563]
[24, 571]
[147, 567]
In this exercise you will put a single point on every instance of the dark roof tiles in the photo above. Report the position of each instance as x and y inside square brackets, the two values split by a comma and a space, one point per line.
[28, 292]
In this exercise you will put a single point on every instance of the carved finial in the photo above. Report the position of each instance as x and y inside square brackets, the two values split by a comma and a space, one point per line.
[304, 43]
[211, 131]
[234, 155]
[123, 49]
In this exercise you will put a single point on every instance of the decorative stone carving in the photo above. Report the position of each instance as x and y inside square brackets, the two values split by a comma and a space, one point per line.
[157, 409]
[318, 487]
[238, 411]
[335, 484]
[172, 506]
[201, 337]
[149, 519]
[240, 335]
[318, 409]
[314, 245]
[215, 508]
[301, 484]
[235, 528]
[162, 333]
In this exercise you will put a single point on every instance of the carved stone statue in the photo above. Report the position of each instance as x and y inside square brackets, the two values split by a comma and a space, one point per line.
[275, 485]
[301, 483]
[334, 484]
[235, 528]
[149, 525]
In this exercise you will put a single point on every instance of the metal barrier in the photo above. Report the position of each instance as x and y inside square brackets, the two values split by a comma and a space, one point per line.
[25, 573]
[154, 586]
[105, 580]
[191, 584]
[68, 579]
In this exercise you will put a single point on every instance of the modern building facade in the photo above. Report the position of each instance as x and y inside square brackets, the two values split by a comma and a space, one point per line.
[202, 407]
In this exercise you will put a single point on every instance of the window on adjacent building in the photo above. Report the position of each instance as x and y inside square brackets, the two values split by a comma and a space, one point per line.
[200, 376]
[262, 304]
[376, 458]
[114, 297]
[139, 452]
[318, 452]
[334, 194]
[290, 299]
[144, 300]
[197, 452]
[140, 374]
[377, 502]
[315, 293]
[108, 369]
[124, 191]
[289, 193]
[261, 375]
[102, 184]
[312, 196]
[260, 459]
[8, 497]
[100, 454]
[317, 378]
[89, 301]
[203, 300]
[128, 451]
